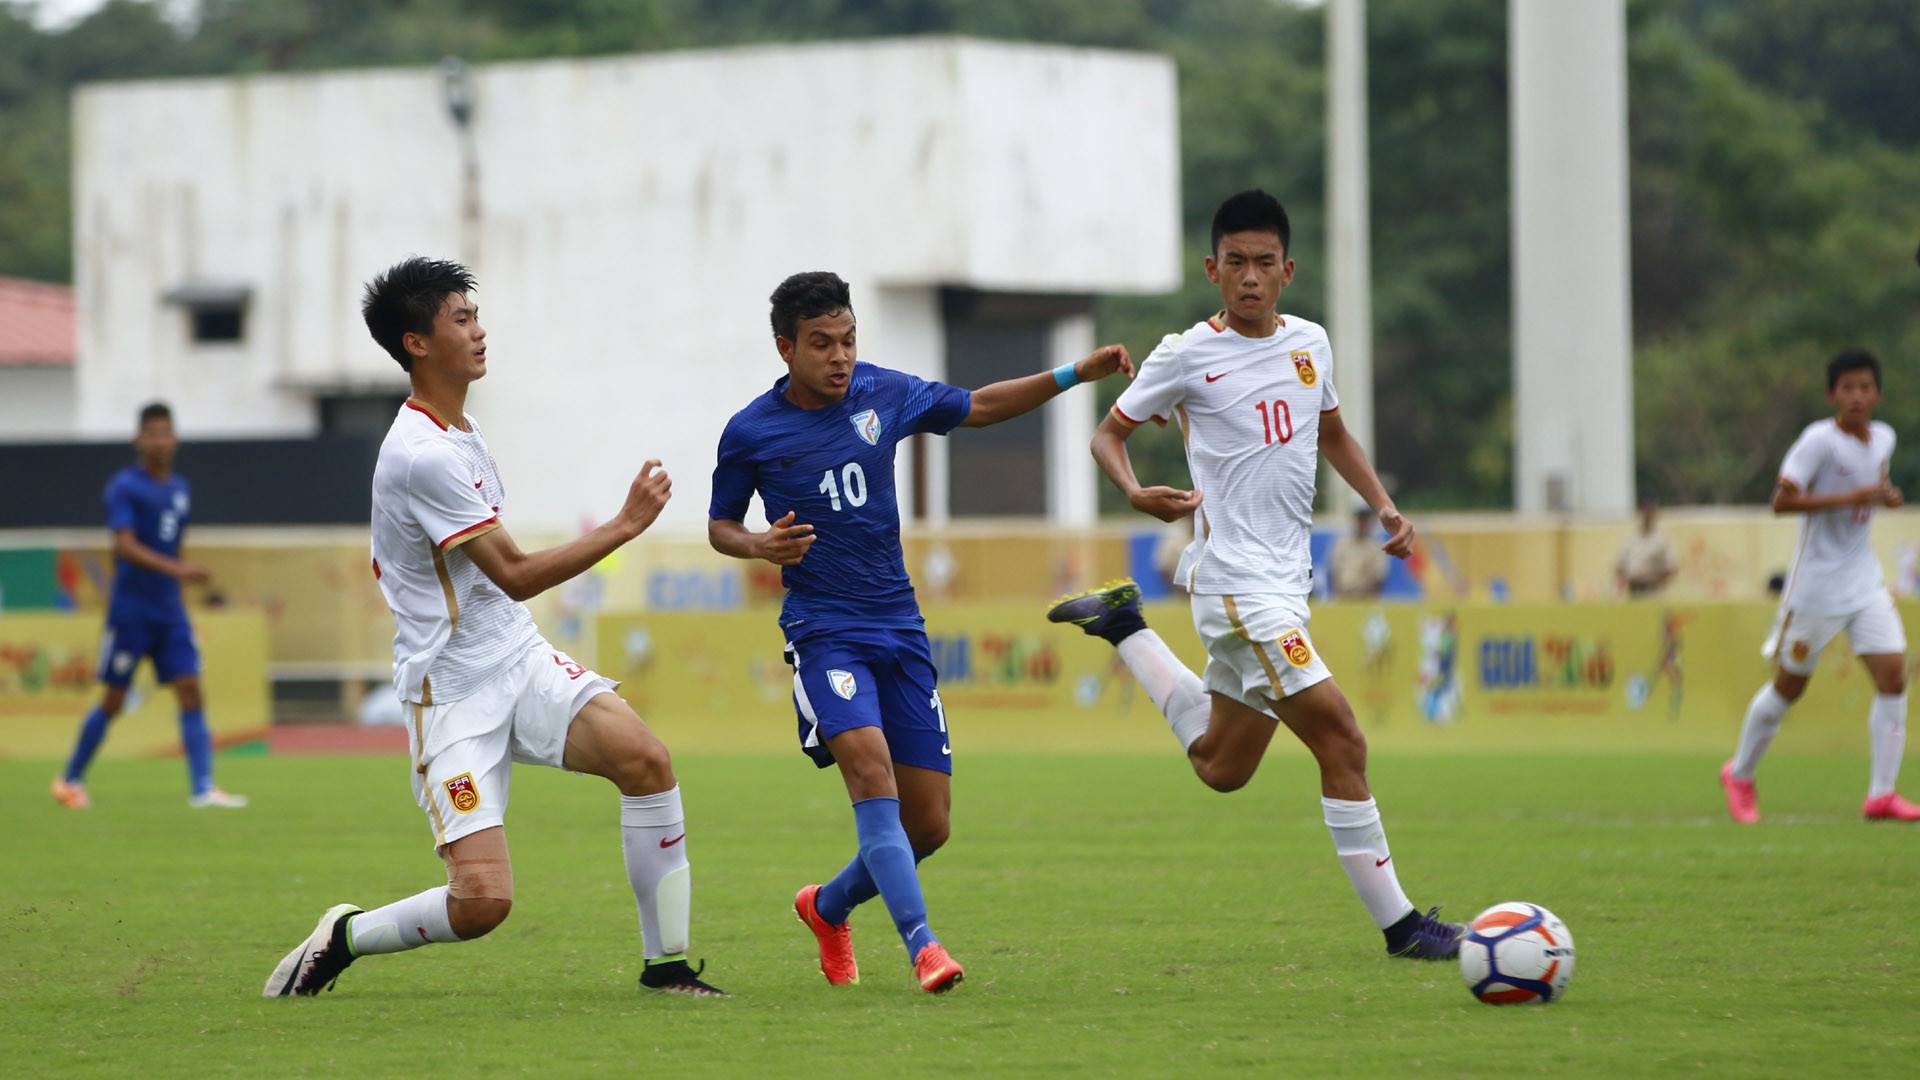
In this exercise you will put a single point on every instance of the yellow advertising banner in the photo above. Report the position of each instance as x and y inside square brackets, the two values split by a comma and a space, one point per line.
[47, 684]
[1626, 677]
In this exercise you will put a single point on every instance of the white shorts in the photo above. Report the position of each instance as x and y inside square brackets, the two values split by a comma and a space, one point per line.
[1798, 638]
[1258, 649]
[463, 750]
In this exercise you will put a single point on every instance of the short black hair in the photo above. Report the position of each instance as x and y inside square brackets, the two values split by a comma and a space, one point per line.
[156, 410]
[1852, 360]
[1252, 211]
[405, 299]
[807, 296]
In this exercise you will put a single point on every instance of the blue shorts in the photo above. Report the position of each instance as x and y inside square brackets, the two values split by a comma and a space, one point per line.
[168, 641]
[845, 679]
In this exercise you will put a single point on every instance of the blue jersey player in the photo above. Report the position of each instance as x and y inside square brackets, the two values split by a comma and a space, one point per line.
[147, 508]
[818, 447]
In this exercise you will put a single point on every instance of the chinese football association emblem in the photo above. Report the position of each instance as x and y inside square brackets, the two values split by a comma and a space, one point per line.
[466, 797]
[1303, 366]
[1294, 644]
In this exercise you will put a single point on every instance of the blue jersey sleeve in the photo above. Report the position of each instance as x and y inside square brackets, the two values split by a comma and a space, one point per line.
[119, 506]
[735, 477]
[933, 408]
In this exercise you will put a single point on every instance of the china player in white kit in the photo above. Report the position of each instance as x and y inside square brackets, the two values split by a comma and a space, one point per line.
[1834, 474]
[481, 689]
[1253, 393]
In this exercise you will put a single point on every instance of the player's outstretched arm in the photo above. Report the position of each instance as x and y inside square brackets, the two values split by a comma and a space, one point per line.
[1005, 400]
[782, 545]
[524, 576]
[127, 547]
[1110, 450]
[1349, 459]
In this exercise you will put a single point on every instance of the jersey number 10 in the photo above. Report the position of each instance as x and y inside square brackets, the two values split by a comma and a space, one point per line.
[1279, 424]
[854, 479]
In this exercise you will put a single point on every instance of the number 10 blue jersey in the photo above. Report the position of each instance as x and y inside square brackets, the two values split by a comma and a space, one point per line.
[833, 468]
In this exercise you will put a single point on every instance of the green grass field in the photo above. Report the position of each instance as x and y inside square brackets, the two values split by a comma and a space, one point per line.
[1115, 918]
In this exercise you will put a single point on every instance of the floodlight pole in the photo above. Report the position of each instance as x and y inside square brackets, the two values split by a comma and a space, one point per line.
[456, 82]
[1349, 235]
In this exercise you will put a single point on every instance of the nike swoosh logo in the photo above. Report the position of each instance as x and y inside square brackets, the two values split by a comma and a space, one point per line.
[422, 931]
[944, 749]
[1378, 863]
[1222, 375]
[675, 840]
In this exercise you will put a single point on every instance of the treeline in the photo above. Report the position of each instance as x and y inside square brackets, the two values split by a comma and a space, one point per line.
[1775, 164]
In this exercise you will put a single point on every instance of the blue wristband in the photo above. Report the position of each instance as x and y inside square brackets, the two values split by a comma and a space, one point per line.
[1065, 377]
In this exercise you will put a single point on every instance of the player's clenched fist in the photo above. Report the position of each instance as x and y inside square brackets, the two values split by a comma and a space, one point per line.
[1103, 362]
[1165, 503]
[648, 495]
[786, 543]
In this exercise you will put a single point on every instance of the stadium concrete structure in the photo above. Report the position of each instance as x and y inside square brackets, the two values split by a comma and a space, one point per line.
[627, 217]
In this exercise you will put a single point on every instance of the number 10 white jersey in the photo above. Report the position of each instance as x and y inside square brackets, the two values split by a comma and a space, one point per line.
[1249, 409]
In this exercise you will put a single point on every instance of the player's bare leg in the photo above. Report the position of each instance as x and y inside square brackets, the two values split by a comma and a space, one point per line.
[1887, 727]
[1764, 714]
[607, 738]
[1321, 718]
[886, 848]
[69, 788]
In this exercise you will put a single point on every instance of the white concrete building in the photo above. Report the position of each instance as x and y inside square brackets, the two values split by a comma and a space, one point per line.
[626, 218]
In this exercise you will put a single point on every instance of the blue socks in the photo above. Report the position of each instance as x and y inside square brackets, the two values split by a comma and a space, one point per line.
[850, 888]
[888, 862]
[197, 741]
[92, 730]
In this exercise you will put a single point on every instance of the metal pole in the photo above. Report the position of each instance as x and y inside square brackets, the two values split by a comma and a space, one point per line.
[1349, 236]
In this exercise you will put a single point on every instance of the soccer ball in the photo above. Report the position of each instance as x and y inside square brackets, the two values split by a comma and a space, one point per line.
[1517, 954]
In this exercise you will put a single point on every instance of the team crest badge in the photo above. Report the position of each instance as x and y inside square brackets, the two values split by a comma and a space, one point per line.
[466, 797]
[843, 683]
[867, 423]
[1303, 364]
[1800, 650]
[1294, 644]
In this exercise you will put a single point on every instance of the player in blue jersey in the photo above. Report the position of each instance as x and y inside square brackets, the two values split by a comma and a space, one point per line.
[147, 507]
[818, 447]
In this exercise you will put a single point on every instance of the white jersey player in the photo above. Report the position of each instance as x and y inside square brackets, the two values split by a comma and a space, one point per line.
[481, 689]
[1253, 393]
[1834, 474]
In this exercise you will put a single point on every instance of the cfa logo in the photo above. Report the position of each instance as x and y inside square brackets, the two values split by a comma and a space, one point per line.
[843, 683]
[867, 423]
[180, 502]
[466, 797]
[1294, 644]
[1303, 366]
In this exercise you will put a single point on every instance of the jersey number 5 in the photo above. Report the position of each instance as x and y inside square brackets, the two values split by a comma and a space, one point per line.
[1278, 424]
[853, 478]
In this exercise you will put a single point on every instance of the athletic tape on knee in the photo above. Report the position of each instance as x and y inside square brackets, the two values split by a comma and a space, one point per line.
[652, 811]
[481, 879]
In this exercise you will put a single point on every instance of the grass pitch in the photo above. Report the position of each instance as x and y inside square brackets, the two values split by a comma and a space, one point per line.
[1114, 917]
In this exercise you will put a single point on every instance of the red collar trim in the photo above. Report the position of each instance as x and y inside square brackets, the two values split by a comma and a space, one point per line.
[421, 406]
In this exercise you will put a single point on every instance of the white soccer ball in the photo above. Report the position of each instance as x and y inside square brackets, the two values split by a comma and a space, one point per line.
[1516, 954]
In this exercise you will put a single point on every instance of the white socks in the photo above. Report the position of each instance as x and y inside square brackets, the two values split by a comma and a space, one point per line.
[402, 925]
[653, 834]
[1174, 690]
[1763, 721]
[1361, 843]
[1887, 727]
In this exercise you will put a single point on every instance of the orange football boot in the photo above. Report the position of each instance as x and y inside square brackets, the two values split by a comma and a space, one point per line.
[836, 941]
[938, 972]
[71, 796]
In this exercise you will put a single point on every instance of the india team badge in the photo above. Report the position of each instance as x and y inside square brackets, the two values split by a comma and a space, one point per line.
[1303, 366]
[843, 683]
[466, 797]
[1294, 644]
[867, 423]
